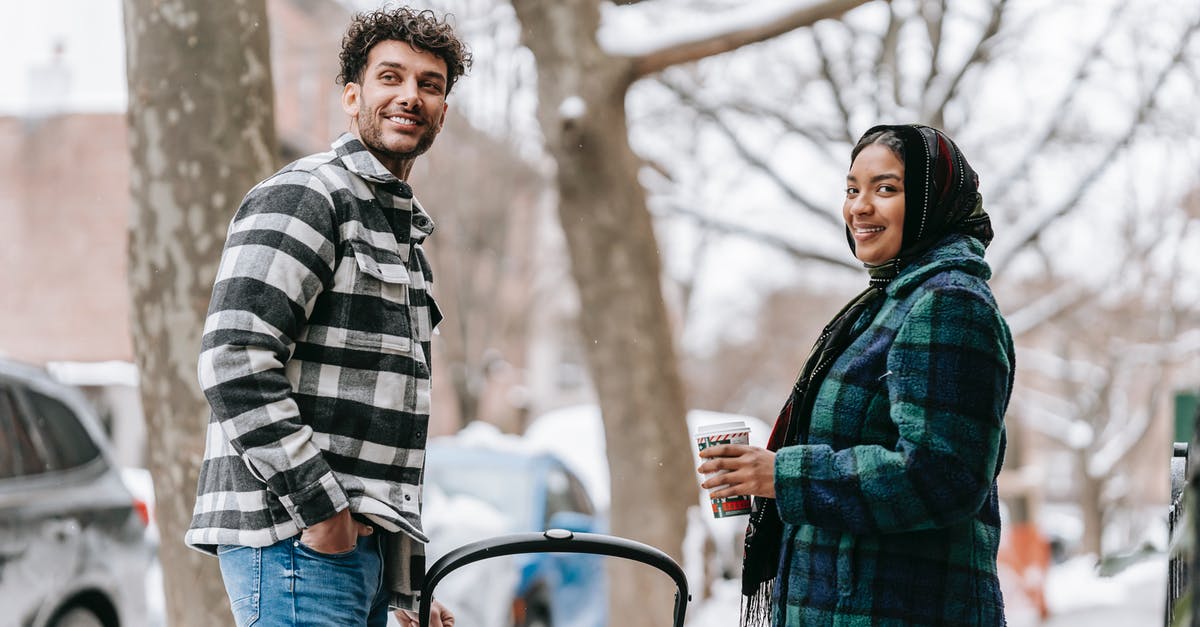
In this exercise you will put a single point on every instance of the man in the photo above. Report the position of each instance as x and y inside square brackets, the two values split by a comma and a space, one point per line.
[315, 356]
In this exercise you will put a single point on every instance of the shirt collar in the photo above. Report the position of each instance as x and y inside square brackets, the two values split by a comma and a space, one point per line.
[358, 160]
[422, 224]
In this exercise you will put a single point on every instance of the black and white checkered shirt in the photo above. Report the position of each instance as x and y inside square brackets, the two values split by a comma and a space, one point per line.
[315, 360]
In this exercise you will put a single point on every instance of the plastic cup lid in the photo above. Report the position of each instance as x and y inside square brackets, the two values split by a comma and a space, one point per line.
[722, 427]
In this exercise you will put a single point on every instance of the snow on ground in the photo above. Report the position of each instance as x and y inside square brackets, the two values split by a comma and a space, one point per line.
[1079, 597]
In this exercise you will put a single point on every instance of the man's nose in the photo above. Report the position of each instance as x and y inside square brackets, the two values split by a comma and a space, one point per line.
[407, 95]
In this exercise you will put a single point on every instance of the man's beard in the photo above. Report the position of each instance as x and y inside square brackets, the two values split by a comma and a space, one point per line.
[370, 129]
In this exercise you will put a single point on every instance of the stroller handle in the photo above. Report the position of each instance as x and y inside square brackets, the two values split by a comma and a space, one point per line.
[554, 541]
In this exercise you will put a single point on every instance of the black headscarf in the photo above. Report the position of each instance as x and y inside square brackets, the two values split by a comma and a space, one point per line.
[941, 196]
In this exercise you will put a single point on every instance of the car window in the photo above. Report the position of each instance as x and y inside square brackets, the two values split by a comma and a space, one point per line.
[20, 454]
[564, 493]
[558, 493]
[65, 441]
[505, 487]
[580, 502]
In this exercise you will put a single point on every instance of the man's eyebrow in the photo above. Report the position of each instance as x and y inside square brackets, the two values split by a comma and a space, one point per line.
[400, 66]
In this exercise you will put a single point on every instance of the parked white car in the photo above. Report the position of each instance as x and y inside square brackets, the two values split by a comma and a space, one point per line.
[73, 543]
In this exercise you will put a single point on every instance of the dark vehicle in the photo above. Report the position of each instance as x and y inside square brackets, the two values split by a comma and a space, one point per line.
[73, 546]
[537, 492]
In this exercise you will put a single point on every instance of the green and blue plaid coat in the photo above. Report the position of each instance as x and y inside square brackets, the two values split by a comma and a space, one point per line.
[890, 509]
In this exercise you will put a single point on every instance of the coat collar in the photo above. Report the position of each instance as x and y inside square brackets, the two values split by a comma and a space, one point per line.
[956, 251]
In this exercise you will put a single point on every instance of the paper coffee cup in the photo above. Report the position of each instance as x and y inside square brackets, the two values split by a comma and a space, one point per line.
[735, 432]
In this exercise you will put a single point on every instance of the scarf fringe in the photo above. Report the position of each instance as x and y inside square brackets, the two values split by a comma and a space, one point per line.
[756, 608]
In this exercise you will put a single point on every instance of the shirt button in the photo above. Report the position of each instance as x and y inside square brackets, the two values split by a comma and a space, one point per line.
[408, 497]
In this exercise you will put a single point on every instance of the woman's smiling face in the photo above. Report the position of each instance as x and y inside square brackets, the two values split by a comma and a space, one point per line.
[874, 207]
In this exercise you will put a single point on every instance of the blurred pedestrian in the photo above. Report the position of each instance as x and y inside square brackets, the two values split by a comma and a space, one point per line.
[876, 495]
[315, 355]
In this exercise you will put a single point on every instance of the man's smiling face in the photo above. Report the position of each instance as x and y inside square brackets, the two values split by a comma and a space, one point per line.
[399, 106]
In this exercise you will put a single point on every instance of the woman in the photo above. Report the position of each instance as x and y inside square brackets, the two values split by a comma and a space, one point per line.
[876, 495]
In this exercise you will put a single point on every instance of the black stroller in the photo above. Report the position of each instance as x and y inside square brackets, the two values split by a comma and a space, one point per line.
[554, 541]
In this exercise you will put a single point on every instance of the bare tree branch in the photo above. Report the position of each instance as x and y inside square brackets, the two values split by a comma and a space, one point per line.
[1050, 415]
[934, 25]
[821, 139]
[889, 57]
[936, 116]
[769, 239]
[696, 49]
[1065, 103]
[835, 87]
[1031, 229]
[1050, 365]
[1046, 308]
[752, 159]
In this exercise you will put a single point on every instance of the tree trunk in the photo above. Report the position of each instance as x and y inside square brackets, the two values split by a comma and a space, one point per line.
[1091, 506]
[615, 263]
[201, 134]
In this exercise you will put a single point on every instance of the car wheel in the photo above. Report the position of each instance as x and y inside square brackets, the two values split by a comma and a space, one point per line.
[78, 617]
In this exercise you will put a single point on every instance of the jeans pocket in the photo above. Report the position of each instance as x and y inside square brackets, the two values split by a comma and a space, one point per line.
[245, 611]
[311, 552]
[241, 570]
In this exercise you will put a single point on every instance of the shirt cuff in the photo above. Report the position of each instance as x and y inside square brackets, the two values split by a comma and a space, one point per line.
[316, 502]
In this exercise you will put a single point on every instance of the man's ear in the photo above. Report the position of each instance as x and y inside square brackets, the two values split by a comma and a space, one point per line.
[351, 99]
[442, 122]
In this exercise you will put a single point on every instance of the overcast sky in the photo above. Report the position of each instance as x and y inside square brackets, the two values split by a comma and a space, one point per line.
[90, 34]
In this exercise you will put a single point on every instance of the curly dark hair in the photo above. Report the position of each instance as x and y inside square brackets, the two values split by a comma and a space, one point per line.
[422, 30]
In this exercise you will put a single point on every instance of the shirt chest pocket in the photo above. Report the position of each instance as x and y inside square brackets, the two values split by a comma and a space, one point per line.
[375, 284]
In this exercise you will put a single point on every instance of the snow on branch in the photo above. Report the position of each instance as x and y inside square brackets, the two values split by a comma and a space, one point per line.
[659, 46]
[1051, 416]
[1046, 308]
[1048, 364]
[1114, 449]
[1185, 346]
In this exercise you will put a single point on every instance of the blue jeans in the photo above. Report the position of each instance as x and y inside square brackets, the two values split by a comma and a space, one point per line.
[288, 584]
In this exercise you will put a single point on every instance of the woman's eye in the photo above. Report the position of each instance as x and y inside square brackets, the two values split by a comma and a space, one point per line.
[850, 191]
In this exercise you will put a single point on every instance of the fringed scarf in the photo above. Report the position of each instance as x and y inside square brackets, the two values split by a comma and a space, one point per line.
[943, 189]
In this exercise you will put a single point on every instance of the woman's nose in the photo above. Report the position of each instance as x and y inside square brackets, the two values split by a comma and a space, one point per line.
[860, 205]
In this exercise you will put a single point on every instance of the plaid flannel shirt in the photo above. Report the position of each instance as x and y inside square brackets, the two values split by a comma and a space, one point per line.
[890, 509]
[315, 360]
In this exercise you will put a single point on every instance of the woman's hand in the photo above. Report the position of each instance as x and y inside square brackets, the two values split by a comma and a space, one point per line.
[744, 470]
